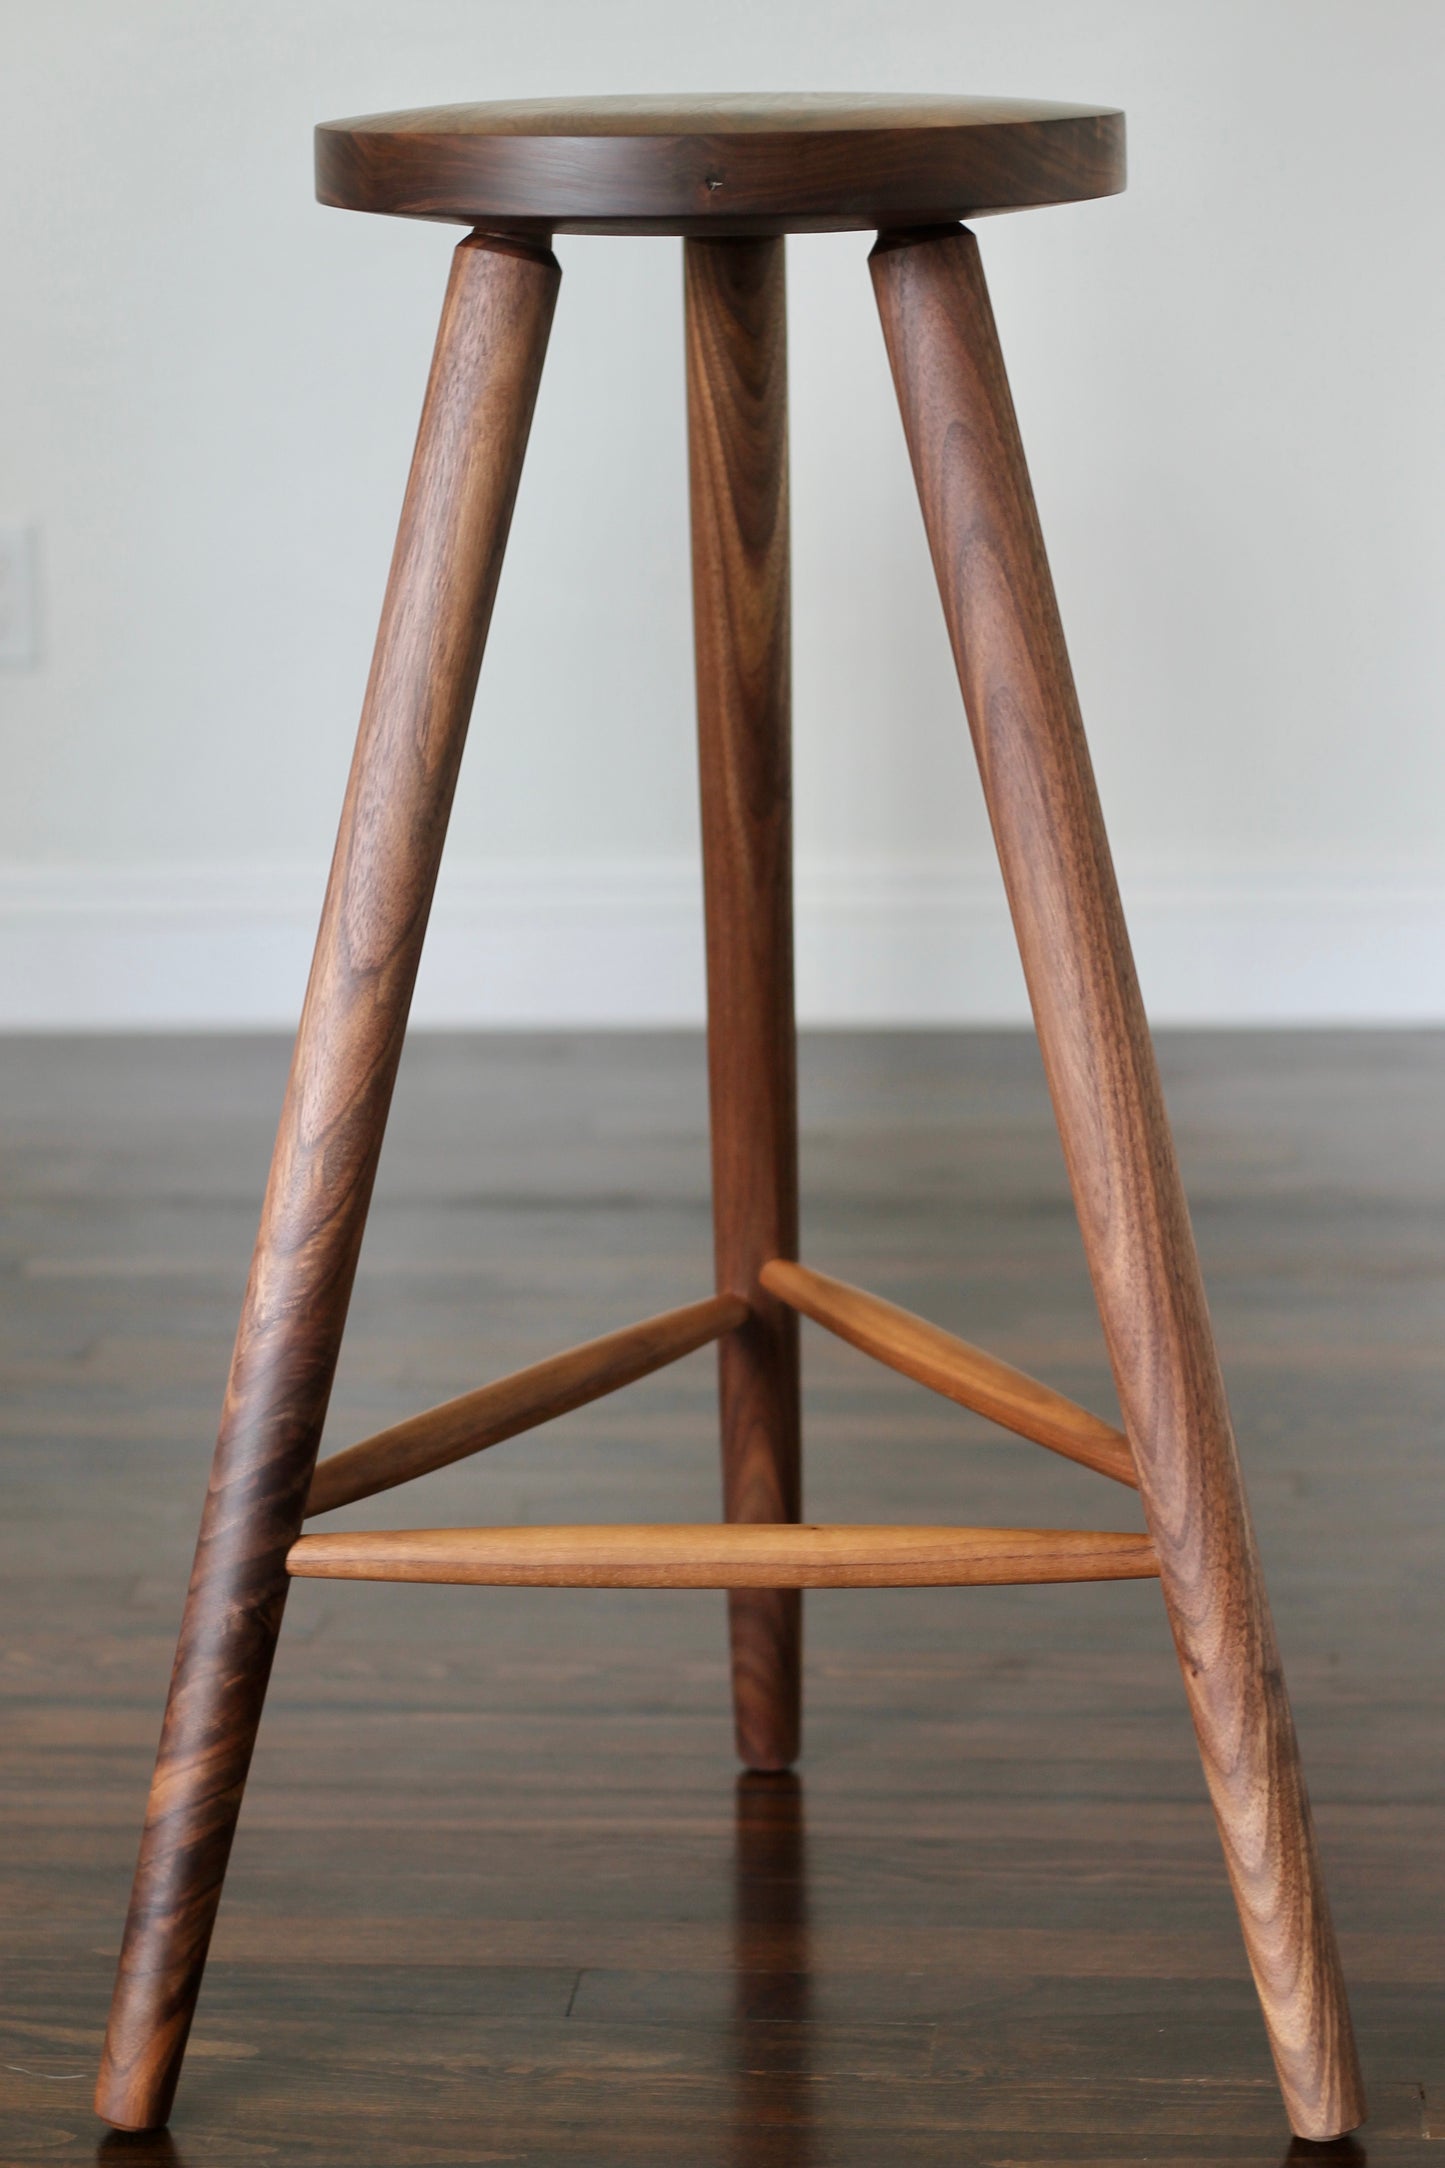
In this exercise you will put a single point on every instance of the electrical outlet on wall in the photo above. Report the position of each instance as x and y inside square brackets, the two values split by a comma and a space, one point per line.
[17, 594]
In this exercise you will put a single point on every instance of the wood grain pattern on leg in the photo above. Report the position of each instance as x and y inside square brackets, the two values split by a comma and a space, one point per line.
[1003, 620]
[738, 454]
[448, 556]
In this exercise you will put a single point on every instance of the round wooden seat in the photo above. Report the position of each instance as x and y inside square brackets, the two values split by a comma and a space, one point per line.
[743, 165]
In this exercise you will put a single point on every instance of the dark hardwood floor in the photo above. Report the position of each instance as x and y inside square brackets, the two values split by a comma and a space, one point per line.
[498, 1893]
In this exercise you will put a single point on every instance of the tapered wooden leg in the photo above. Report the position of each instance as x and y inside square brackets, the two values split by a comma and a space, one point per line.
[449, 551]
[738, 439]
[1003, 620]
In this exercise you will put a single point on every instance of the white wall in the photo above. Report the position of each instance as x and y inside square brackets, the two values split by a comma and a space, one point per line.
[1232, 384]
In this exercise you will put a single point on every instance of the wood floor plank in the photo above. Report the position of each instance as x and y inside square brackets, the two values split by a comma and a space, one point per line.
[497, 1894]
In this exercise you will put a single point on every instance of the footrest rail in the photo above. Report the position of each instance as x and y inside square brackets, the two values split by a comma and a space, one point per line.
[461, 1427]
[727, 1555]
[950, 1366]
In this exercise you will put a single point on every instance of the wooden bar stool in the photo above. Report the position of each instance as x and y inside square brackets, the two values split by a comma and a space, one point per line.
[732, 176]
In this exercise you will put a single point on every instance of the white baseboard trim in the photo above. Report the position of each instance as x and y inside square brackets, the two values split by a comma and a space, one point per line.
[609, 943]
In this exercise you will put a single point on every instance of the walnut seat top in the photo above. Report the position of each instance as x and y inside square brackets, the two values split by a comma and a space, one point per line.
[728, 165]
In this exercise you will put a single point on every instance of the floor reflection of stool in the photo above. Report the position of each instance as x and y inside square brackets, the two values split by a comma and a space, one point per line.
[732, 176]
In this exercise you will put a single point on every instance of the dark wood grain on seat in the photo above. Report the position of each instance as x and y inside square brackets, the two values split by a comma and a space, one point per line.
[742, 165]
